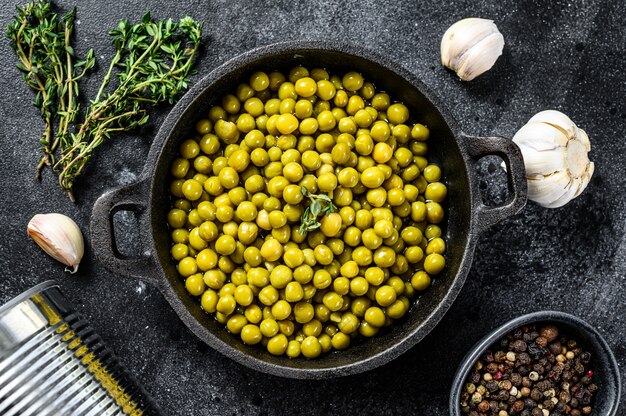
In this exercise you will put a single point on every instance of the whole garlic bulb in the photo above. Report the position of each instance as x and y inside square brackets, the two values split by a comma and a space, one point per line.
[556, 157]
[470, 47]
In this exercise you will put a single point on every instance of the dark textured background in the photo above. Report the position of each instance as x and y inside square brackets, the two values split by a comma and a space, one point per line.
[565, 55]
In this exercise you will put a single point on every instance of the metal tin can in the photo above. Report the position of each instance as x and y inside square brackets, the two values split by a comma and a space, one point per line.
[53, 363]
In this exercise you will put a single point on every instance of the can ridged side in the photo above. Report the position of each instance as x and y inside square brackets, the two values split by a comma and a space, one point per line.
[53, 363]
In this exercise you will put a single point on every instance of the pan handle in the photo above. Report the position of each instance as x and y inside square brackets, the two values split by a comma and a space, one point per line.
[128, 198]
[478, 147]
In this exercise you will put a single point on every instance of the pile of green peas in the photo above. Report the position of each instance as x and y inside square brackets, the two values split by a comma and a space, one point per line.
[237, 204]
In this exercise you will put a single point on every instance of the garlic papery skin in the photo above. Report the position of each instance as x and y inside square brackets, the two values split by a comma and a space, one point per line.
[470, 47]
[556, 158]
[59, 236]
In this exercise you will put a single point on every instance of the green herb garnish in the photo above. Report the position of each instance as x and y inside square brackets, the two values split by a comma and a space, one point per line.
[153, 61]
[320, 204]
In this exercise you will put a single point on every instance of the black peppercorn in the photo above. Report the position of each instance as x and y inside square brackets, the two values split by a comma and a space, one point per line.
[483, 406]
[579, 368]
[536, 351]
[544, 385]
[518, 346]
[548, 404]
[516, 379]
[555, 348]
[541, 341]
[554, 375]
[550, 332]
[523, 358]
[577, 392]
[585, 357]
[536, 395]
[529, 403]
[492, 386]
[537, 412]
[586, 400]
[517, 406]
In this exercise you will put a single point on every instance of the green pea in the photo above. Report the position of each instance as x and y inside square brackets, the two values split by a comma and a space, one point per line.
[251, 334]
[259, 81]
[397, 113]
[352, 81]
[434, 263]
[311, 347]
[432, 173]
[180, 167]
[420, 132]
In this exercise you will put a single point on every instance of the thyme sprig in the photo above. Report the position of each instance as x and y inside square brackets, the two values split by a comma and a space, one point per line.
[154, 59]
[320, 204]
[46, 58]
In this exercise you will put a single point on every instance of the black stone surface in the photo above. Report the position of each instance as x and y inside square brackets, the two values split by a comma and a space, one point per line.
[562, 55]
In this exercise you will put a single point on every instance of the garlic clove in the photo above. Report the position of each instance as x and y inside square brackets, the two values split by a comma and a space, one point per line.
[556, 119]
[540, 137]
[556, 158]
[582, 136]
[547, 189]
[570, 193]
[59, 236]
[543, 163]
[461, 36]
[481, 57]
[471, 47]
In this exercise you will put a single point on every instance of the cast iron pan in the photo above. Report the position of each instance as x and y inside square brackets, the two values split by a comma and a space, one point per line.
[606, 371]
[455, 151]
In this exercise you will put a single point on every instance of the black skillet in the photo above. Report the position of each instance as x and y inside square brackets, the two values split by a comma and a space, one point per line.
[455, 151]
